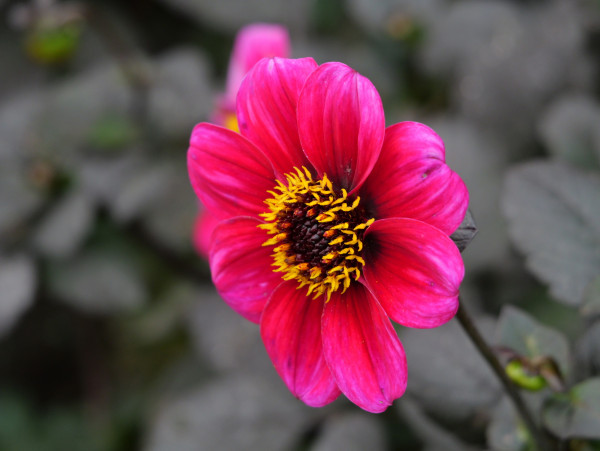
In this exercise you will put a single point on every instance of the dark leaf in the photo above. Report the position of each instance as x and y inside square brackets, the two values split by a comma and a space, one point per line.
[587, 352]
[226, 340]
[67, 225]
[568, 130]
[231, 413]
[17, 286]
[506, 431]
[447, 375]
[591, 298]
[554, 218]
[354, 431]
[233, 14]
[435, 437]
[99, 282]
[480, 160]
[465, 232]
[576, 413]
[521, 333]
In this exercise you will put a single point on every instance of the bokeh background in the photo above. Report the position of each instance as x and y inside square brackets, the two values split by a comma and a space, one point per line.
[111, 334]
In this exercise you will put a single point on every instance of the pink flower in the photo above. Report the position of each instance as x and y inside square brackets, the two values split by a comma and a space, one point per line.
[331, 225]
[252, 43]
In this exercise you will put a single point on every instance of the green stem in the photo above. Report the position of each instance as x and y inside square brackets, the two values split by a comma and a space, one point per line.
[512, 391]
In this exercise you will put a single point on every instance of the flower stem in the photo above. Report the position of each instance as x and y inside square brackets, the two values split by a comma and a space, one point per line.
[469, 327]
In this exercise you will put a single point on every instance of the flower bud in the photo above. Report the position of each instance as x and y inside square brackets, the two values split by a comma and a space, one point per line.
[520, 375]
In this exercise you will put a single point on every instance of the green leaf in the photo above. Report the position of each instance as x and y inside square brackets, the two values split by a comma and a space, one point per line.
[53, 44]
[524, 335]
[576, 413]
[553, 212]
[112, 132]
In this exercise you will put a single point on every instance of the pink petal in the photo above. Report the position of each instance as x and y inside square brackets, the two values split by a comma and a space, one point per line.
[412, 180]
[266, 109]
[362, 349]
[291, 330]
[203, 229]
[224, 113]
[253, 43]
[229, 174]
[414, 270]
[241, 266]
[341, 123]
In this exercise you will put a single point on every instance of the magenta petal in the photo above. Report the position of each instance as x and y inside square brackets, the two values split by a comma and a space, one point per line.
[412, 180]
[229, 174]
[252, 43]
[241, 266]
[341, 124]
[203, 230]
[291, 330]
[414, 270]
[266, 109]
[362, 349]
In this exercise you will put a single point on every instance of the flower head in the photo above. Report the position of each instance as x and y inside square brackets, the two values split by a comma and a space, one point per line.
[331, 224]
[252, 43]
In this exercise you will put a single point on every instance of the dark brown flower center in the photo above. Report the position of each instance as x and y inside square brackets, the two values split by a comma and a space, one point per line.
[317, 233]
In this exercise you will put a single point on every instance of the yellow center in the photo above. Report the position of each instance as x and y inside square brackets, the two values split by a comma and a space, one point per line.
[317, 233]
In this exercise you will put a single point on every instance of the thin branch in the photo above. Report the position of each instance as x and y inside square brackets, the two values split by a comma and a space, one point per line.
[469, 327]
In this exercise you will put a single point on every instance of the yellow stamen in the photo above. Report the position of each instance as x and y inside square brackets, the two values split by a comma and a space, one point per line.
[304, 220]
[338, 240]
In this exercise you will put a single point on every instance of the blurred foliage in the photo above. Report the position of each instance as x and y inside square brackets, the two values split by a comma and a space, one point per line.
[111, 336]
[53, 45]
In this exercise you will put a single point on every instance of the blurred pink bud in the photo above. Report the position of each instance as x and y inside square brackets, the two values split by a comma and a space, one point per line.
[252, 43]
